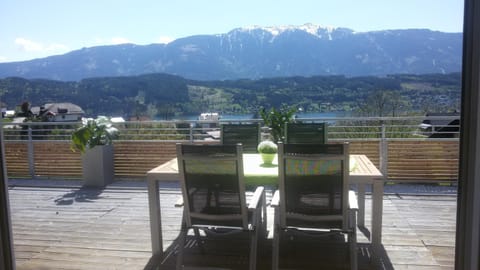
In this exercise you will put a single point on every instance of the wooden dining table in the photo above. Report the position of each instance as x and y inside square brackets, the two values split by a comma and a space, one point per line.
[362, 173]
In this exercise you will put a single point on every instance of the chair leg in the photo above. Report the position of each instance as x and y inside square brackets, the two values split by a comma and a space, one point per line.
[181, 240]
[264, 213]
[353, 252]
[183, 236]
[253, 247]
[276, 241]
[196, 231]
[276, 247]
[352, 238]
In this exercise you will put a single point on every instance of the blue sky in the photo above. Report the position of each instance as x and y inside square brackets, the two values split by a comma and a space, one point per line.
[39, 28]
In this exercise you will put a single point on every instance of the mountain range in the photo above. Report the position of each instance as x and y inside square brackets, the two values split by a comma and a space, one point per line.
[260, 52]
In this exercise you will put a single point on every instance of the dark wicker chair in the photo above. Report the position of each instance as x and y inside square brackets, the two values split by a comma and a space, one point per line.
[311, 133]
[313, 197]
[214, 197]
[246, 134]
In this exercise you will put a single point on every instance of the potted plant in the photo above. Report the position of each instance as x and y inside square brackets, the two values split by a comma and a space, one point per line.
[267, 150]
[94, 140]
[276, 119]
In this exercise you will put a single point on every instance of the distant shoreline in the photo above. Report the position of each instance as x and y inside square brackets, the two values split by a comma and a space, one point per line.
[224, 117]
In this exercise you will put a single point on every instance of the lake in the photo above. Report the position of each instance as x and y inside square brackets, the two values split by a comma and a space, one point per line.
[227, 117]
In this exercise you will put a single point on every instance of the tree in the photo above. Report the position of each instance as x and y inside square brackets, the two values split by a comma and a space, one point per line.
[276, 120]
[25, 111]
[383, 103]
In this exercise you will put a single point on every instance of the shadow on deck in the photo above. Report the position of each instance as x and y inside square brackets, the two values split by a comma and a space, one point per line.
[69, 227]
[299, 254]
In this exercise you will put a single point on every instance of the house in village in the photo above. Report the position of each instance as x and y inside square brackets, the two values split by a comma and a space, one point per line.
[208, 120]
[7, 113]
[59, 112]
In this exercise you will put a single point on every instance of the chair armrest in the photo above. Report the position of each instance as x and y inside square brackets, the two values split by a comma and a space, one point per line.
[275, 199]
[352, 200]
[179, 202]
[256, 198]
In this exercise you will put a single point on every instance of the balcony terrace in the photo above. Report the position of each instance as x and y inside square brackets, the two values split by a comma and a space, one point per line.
[57, 224]
[60, 225]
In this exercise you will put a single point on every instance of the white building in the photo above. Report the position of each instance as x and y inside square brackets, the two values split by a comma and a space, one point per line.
[59, 112]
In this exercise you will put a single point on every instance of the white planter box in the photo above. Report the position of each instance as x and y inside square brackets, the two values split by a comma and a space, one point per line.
[98, 169]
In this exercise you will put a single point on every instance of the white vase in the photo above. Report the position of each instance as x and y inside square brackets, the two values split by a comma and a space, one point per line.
[267, 158]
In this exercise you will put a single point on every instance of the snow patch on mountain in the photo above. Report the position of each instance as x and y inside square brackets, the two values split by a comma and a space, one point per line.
[312, 29]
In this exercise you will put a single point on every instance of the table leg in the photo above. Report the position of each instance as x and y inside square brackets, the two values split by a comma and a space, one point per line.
[377, 214]
[155, 218]
[361, 205]
[264, 210]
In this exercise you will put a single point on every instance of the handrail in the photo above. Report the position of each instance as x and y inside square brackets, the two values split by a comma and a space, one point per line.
[383, 135]
[192, 130]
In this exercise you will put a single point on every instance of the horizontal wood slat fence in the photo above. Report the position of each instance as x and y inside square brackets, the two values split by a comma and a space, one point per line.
[136, 158]
[16, 159]
[423, 160]
[55, 159]
[405, 160]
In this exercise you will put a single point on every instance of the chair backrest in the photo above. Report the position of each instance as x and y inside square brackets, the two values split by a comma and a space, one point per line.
[246, 134]
[212, 185]
[312, 133]
[313, 185]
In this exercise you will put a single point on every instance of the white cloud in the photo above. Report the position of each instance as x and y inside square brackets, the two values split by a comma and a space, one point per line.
[37, 47]
[165, 40]
[28, 45]
[3, 59]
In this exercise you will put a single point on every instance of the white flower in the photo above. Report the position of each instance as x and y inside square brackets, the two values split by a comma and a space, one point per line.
[267, 147]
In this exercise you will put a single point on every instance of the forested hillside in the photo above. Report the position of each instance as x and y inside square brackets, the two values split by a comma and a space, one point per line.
[161, 96]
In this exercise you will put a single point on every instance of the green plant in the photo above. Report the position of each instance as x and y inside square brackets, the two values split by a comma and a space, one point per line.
[267, 147]
[93, 132]
[276, 119]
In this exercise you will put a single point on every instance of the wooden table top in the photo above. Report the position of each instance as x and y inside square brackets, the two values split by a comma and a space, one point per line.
[363, 169]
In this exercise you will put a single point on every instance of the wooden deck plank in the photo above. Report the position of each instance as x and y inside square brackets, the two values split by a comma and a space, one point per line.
[432, 220]
[72, 228]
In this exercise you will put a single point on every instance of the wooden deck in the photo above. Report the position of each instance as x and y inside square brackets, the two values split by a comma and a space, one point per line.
[62, 227]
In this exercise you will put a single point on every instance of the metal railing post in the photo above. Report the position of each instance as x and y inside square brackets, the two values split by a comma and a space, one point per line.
[383, 152]
[31, 159]
[191, 133]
